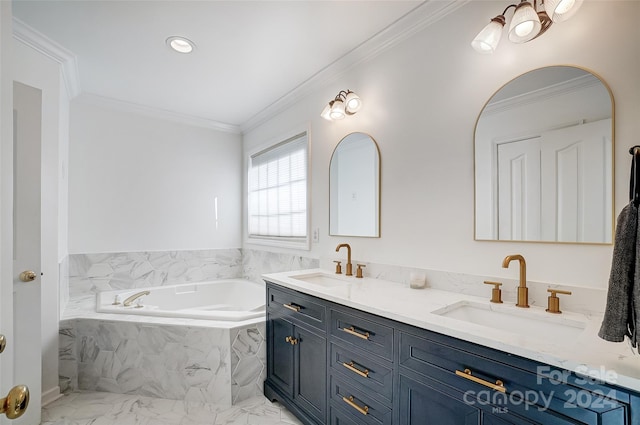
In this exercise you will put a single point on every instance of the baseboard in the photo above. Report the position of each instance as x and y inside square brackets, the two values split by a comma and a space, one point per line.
[51, 395]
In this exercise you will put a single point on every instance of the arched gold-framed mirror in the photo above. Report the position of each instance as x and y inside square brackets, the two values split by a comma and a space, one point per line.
[354, 187]
[543, 155]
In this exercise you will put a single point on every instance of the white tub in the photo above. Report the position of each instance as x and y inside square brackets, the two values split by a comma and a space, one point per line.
[229, 300]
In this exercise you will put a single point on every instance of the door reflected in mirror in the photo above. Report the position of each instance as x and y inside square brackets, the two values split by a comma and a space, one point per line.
[354, 187]
[544, 159]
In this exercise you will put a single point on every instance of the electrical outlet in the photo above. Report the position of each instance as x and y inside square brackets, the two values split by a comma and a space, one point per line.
[315, 237]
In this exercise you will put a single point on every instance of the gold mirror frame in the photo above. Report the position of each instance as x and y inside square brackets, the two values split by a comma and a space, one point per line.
[612, 163]
[375, 233]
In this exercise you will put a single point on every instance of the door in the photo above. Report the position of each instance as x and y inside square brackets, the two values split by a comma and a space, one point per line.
[25, 341]
[519, 190]
[280, 366]
[311, 372]
[576, 183]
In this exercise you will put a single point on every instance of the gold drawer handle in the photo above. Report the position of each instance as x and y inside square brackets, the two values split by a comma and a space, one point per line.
[292, 307]
[498, 386]
[351, 330]
[352, 368]
[349, 400]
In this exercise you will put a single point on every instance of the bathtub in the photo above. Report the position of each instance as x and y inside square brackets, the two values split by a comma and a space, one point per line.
[231, 300]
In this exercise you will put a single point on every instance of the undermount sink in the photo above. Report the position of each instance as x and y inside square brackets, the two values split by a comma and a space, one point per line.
[530, 322]
[322, 279]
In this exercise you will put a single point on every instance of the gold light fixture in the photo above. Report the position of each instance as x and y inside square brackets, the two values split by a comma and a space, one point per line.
[530, 20]
[345, 103]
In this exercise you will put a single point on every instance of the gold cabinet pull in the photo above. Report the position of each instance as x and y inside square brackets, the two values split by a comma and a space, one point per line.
[498, 386]
[291, 340]
[349, 400]
[351, 330]
[16, 402]
[292, 307]
[3, 343]
[352, 368]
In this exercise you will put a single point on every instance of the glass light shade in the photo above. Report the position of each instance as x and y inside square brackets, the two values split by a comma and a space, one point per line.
[561, 10]
[487, 40]
[337, 110]
[525, 24]
[326, 112]
[353, 103]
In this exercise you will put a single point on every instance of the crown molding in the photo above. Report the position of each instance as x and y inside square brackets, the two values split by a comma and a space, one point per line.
[414, 21]
[541, 94]
[54, 51]
[131, 107]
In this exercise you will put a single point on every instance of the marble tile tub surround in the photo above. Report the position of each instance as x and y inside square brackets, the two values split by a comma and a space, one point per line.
[92, 273]
[101, 408]
[86, 274]
[582, 300]
[203, 364]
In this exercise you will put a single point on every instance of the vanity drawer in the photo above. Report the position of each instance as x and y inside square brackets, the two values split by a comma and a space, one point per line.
[375, 376]
[297, 306]
[358, 403]
[550, 402]
[365, 332]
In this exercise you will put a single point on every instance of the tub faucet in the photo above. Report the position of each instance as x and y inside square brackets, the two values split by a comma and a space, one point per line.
[132, 298]
[523, 291]
[349, 271]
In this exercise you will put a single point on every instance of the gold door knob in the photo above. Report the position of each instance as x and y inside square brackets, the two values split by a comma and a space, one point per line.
[3, 343]
[16, 402]
[27, 276]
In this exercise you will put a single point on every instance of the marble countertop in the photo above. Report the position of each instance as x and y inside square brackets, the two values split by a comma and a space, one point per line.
[586, 354]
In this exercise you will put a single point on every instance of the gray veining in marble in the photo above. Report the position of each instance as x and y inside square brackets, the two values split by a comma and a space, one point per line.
[255, 263]
[204, 364]
[91, 273]
[102, 408]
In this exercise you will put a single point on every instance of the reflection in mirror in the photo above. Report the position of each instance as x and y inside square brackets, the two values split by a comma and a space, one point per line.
[544, 159]
[354, 187]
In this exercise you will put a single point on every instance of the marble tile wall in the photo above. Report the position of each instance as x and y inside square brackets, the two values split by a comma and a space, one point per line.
[256, 262]
[248, 362]
[173, 362]
[63, 279]
[92, 273]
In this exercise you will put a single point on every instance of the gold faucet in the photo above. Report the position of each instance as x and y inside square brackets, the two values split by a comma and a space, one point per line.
[349, 271]
[134, 297]
[523, 291]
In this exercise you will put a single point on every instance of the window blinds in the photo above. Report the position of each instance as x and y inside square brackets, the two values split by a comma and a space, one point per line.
[277, 190]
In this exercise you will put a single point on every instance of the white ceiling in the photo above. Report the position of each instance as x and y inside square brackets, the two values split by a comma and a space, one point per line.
[249, 54]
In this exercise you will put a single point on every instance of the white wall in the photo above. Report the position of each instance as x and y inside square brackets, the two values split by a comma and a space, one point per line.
[32, 68]
[421, 102]
[138, 183]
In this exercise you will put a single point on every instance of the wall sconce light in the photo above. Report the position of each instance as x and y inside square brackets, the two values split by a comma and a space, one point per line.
[526, 24]
[345, 103]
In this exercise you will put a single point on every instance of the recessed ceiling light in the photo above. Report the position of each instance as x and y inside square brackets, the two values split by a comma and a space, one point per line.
[180, 44]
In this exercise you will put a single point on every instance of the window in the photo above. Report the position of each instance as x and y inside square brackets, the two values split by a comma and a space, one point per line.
[277, 194]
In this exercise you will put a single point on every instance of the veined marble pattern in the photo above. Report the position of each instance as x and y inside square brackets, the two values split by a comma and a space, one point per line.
[583, 300]
[255, 263]
[204, 364]
[99, 408]
[248, 362]
[91, 273]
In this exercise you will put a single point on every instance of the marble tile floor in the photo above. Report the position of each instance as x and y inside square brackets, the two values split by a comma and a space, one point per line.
[98, 408]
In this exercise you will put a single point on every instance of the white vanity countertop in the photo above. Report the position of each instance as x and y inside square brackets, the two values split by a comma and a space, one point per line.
[614, 363]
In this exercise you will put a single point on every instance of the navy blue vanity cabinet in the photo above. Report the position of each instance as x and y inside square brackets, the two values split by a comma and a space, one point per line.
[331, 364]
[297, 354]
[504, 389]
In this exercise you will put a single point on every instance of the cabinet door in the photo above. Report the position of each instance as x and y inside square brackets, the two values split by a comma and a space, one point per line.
[422, 404]
[280, 354]
[311, 369]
